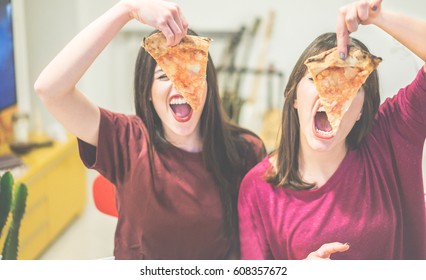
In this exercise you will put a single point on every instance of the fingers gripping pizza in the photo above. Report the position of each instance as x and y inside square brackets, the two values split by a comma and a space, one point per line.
[184, 64]
[338, 80]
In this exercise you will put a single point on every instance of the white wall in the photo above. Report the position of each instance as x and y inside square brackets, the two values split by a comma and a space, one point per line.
[21, 56]
[50, 24]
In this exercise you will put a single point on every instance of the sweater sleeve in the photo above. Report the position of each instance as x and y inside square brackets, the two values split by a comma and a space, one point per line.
[405, 113]
[402, 122]
[253, 241]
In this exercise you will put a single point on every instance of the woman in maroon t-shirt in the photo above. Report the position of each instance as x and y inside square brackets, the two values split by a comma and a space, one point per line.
[176, 171]
[353, 194]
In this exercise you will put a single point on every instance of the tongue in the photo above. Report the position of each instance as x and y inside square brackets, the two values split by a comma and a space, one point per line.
[322, 123]
[181, 110]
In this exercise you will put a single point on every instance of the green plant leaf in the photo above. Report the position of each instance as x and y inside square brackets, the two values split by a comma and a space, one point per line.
[10, 250]
[17, 205]
[19, 202]
[6, 184]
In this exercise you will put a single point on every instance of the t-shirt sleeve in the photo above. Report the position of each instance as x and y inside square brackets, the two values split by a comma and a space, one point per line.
[259, 147]
[121, 138]
[253, 242]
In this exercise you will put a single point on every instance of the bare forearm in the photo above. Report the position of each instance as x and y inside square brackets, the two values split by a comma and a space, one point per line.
[408, 31]
[56, 84]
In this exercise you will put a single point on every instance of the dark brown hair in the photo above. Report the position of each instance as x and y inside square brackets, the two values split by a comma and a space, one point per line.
[287, 167]
[227, 155]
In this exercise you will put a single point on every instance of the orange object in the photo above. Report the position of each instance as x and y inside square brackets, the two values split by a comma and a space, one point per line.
[104, 196]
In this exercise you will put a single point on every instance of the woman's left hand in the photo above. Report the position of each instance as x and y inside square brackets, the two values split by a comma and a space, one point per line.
[351, 16]
[326, 250]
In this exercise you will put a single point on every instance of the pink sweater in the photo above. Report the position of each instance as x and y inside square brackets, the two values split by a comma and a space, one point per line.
[374, 200]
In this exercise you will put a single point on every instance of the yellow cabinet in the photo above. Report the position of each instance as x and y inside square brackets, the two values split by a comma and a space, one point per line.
[56, 181]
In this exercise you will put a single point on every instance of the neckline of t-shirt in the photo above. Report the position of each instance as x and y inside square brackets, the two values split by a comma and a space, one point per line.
[185, 154]
[333, 180]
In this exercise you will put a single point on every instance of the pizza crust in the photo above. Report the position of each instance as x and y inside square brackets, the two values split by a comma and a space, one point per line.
[338, 80]
[185, 64]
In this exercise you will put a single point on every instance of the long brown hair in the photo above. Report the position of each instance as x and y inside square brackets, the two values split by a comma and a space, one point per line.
[226, 154]
[287, 167]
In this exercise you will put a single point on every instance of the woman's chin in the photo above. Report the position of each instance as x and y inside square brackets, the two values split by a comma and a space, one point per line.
[183, 129]
[320, 145]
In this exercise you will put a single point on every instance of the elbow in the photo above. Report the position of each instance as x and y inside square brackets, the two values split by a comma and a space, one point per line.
[50, 93]
[41, 88]
[46, 90]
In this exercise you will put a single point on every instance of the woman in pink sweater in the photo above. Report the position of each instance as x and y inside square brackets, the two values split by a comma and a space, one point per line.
[358, 194]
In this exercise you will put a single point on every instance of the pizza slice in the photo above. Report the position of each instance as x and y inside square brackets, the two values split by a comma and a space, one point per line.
[338, 80]
[184, 64]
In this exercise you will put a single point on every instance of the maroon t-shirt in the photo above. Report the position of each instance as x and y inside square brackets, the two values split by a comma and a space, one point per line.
[180, 217]
[374, 200]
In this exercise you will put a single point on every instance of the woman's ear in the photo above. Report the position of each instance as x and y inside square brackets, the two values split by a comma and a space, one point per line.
[295, 104]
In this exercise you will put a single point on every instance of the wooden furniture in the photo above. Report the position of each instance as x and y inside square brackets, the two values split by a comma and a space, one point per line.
[56, 181]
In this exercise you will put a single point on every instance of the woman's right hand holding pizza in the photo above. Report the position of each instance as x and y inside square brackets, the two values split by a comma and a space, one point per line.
[326, 250]
[56, 85]
[163, 15]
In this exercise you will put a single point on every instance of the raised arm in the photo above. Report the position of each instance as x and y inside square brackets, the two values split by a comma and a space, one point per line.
[56, 84]
[408, 31]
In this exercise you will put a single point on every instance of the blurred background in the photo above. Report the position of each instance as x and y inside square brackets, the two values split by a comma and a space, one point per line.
[256, 44]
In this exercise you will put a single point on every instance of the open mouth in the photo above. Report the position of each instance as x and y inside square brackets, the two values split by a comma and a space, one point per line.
[182, 111]
[322, 127]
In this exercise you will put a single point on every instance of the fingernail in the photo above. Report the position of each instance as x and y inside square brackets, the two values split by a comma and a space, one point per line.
[342, 55]
[374, 8]
[347, 243]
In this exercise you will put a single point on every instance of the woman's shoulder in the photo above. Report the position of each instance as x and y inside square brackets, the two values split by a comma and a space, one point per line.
[255, 142]
[119, 121]
[256, 177]
[118, 117]
[252, 138]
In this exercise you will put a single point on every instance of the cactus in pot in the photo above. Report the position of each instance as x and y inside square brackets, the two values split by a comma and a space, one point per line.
[12, 200]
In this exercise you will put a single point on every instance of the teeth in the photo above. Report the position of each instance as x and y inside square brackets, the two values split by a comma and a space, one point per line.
[325, 133]
[176, 101]
[321, 109]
